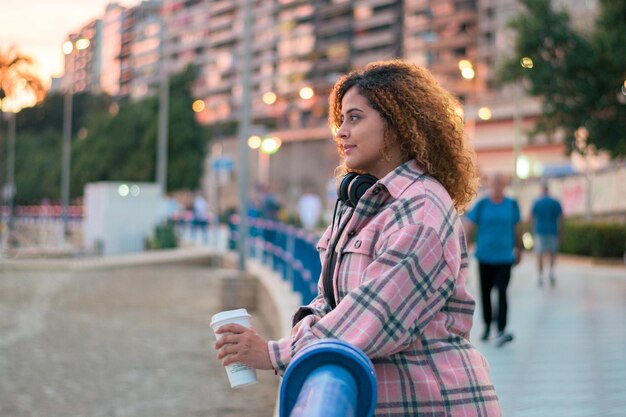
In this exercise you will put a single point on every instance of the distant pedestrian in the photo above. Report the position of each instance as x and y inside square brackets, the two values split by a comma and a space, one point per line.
[269, 210]
[270, 205]
[309, 209]
[496, 219]
[200, 217]
[547, 225]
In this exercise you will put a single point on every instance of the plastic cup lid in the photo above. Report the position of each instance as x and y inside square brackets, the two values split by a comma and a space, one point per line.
[229, 315]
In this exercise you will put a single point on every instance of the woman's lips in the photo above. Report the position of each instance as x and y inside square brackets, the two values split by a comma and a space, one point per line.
[348, 148]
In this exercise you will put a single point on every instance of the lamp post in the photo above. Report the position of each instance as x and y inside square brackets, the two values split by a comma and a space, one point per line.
[581, 144]
[66, 152]
[9, 189]
[467, 72]
[518, 163]
[164, 105]
[244, 128]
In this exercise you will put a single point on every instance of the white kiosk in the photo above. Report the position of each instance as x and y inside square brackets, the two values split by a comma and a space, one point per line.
[119, 216]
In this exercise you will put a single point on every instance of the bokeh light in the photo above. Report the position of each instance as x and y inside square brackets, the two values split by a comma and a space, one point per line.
[82, 44]
[484, 113]
[526, 62]
[270, 145]
[468, 73]
[254, 142]
[123, 190]
[269, 97]
[198, 106]
[306, 93]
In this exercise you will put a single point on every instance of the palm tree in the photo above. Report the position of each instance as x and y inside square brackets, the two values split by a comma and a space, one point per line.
[18, 81]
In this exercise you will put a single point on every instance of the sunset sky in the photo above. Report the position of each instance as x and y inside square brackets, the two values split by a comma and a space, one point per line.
[39, 27]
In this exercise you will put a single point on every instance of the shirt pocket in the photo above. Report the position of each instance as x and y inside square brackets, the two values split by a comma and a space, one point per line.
[357, 253]
[324, 242]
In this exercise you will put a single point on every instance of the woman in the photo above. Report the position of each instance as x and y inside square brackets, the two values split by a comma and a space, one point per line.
[397, 289]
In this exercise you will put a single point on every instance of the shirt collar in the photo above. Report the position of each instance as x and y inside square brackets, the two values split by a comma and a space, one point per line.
[398, 180]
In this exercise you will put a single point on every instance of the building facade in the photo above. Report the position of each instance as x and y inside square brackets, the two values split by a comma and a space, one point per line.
[299, 49]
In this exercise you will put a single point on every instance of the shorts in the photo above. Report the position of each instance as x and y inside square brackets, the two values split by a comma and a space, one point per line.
[546, 243]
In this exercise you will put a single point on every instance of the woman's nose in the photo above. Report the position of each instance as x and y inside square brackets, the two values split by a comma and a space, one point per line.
[343, 131]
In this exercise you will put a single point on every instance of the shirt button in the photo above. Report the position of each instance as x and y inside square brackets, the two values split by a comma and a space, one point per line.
[357, 244]
[376, 190]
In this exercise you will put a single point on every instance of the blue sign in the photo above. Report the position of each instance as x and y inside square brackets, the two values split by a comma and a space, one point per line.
[222, 164]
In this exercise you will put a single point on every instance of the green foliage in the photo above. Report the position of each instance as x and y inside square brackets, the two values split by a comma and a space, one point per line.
[164, 238]
[577, 74]
[108, 145]
[37, 165]
[601, 240]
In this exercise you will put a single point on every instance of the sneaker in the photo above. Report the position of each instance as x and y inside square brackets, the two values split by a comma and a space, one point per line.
[503, 338]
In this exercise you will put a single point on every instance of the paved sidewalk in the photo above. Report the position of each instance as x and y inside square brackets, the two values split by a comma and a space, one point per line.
[133, 341]
[568, 358]
[96, 340]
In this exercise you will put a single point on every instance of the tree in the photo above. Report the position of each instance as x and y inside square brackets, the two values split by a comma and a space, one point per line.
[123, 147]
[578, 75]
[17, 79]
[108, 144]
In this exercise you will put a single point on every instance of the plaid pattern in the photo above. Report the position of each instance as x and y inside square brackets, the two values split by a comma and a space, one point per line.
[400, 287]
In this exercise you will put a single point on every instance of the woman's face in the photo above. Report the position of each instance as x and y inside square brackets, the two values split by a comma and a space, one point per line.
[361, 136]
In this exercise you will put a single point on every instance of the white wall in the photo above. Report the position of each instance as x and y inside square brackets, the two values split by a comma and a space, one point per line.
[118, 216]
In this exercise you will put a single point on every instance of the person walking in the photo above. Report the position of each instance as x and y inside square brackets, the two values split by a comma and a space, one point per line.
[395, 260]
[547, 225]
[200, 217]
[494, 219]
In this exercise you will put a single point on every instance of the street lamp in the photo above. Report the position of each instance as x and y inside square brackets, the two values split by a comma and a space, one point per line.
[519, 166]
[267, 145]
[467, 72]
[584, 148]
[68, 49]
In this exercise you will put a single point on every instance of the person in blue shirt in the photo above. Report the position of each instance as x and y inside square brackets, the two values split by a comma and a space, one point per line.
[547, 225]
[495, 220]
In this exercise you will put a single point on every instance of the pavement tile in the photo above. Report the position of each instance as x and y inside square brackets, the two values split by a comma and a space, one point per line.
[568, 358]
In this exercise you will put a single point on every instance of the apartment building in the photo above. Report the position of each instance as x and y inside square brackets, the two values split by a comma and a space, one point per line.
[82, 58]
[118, 54]
[299, 49]
[111, 45]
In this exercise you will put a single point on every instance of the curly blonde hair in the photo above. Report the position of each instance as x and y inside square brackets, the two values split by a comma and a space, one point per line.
[422, 117]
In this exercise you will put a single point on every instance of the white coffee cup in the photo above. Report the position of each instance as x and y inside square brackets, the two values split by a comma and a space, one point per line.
[238, 373]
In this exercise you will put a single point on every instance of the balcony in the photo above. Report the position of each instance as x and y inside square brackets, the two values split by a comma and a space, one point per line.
[390, 17]
[369, 41]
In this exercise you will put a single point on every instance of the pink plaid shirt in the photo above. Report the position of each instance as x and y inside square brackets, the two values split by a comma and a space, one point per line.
[400, 288]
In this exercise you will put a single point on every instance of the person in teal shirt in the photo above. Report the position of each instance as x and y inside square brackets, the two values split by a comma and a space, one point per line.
[547, 224]
[495, 221]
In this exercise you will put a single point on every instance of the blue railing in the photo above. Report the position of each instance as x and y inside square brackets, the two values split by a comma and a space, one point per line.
[326, 379]
[288, 250]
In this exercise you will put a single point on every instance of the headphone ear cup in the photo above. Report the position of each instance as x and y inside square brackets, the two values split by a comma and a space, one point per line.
[358, 186]
[342, 191]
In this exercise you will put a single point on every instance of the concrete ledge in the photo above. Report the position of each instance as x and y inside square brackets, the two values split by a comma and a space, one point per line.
[206, 255]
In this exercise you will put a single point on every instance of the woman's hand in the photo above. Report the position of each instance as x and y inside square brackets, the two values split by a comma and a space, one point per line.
[242, 344]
